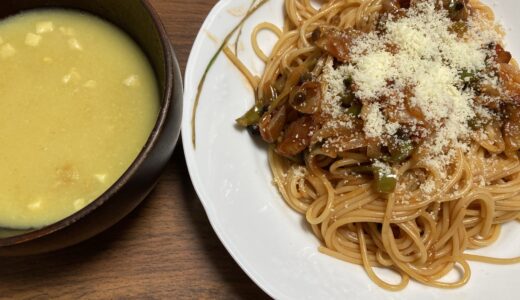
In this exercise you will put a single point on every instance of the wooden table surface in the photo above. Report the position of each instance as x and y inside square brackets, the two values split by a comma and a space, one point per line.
[166, 249]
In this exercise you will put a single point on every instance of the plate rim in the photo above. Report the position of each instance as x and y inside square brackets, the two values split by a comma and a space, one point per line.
[191, 163]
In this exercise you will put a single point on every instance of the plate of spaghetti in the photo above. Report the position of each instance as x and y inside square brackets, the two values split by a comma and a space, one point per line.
[364, 149]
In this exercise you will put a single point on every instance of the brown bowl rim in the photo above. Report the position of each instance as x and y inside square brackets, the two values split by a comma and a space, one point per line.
[166, 106]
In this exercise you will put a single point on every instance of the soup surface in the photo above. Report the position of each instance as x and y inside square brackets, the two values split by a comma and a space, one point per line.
[78, 101]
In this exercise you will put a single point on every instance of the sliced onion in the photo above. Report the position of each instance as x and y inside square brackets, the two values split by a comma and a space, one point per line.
[307, 98]
[297, 137]
[335, 41]
[503, 56]
[510, 76]
[511, 128]
[272, 124]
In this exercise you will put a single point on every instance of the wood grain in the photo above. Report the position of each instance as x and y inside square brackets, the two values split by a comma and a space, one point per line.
[166, 249]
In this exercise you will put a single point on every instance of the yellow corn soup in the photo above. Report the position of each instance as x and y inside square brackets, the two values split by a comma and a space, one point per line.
[78, 100]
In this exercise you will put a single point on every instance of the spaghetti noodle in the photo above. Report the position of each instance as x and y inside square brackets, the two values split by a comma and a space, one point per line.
[399, 156]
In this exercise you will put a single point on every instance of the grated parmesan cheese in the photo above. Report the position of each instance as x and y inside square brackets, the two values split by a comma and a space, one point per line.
[420, 53]
[374, 121]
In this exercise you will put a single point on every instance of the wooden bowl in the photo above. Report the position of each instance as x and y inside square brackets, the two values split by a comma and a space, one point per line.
[139, 20]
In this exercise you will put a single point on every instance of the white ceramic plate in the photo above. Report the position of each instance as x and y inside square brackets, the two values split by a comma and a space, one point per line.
[230, 173]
